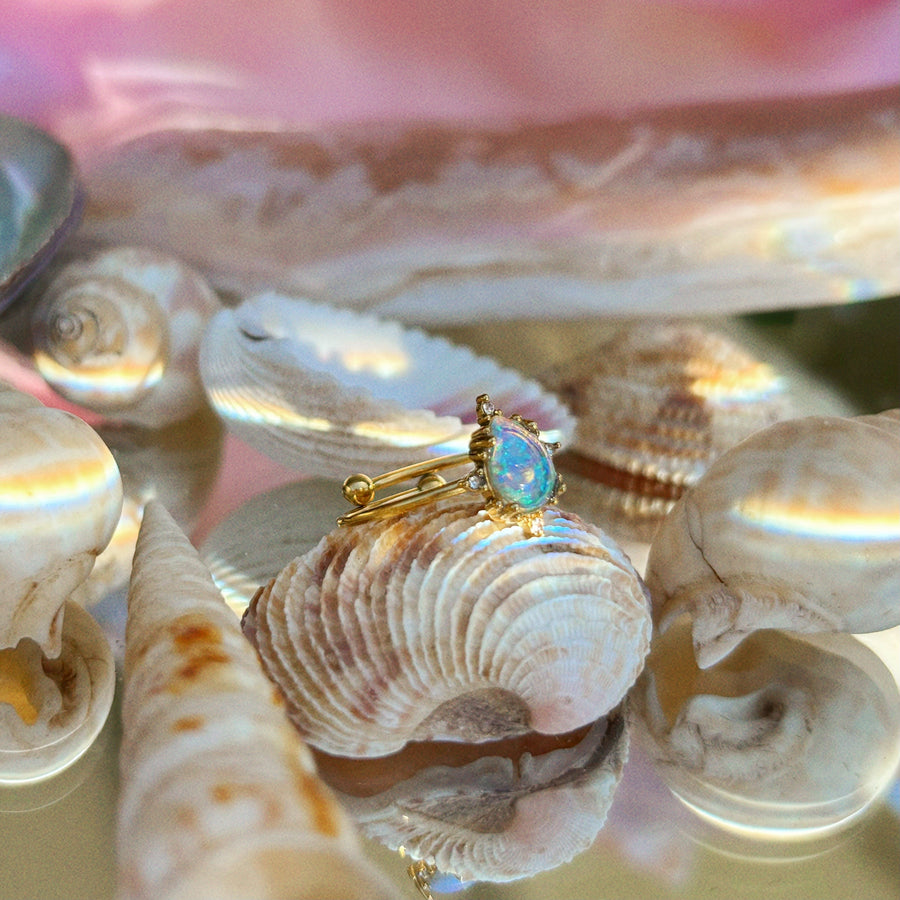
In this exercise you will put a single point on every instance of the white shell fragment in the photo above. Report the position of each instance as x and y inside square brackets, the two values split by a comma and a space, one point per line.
[795, 528]
[61, 499]
[219, 797]
[118, 333]
[444, 625]
[330, 392]
[714, 209]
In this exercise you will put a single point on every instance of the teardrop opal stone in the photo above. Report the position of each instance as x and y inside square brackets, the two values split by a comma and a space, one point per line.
[519, 469]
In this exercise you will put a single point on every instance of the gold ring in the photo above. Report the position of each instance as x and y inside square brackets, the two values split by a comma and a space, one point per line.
[513, 469]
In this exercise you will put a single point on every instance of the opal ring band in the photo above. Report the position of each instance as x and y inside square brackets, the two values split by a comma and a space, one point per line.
[511, 467]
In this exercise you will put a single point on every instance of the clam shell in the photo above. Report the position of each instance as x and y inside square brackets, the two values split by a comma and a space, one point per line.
[444, 625]
[62, 496]
[53, 709]
[714, 209]
[219, 797]
[118, 333]
[331, 392]
[797, 527]
[40, 203]
[656, 403]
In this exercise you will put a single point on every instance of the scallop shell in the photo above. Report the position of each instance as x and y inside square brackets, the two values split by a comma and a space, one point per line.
[797, 528]
[40, 203]
[219, 797]
[656, 403]
[62, 496]
[444, 625]
[330, 392]
[510, 813]
[118, 333]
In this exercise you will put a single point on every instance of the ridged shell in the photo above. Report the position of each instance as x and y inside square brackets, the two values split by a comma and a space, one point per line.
[61, 499]
[40, 203]
[118, 333]
[656, 403]
[501, 817]
[444, 625]
[219, 796]
[330, 392]
[797, 527]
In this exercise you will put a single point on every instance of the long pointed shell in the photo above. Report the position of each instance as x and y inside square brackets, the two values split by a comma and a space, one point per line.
[61, 499]
[219, 797]
[330, 392]
[443, 624]
[118, 333]
[798, 528]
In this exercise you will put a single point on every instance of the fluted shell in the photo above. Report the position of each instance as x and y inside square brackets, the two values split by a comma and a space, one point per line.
[509, 813]
[41, 201]
[219, 796]
[790, 732]
[797, 528]
[656, 403]
[330, 392]
[444, 625]
[61, 499]
[118, 332]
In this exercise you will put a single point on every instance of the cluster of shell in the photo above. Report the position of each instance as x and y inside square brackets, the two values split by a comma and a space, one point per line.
[757, 697]
[62, 496]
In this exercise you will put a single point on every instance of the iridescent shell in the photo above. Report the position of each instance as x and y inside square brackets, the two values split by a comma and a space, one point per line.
[118, 333]
[797, 528]
[656, 403]
[445, 625]
[40, 203]
[219, 796]
[330, 392]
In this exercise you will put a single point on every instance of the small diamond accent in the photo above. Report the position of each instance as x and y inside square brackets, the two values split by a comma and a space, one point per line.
[476, 482]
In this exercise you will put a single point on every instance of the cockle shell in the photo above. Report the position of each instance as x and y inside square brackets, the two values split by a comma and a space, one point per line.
[331, 392]
[656, 403]
[796, 528]
[118, 333]
[62, 496]
[511, 812]
[219, 796]
[40, 203]
[722, 208]
[444, 625]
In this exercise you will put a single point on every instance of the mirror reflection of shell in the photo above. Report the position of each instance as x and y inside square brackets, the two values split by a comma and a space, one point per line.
[444, 625]
[330, 392]
[656, 403]
[118, 333]
[797, 527]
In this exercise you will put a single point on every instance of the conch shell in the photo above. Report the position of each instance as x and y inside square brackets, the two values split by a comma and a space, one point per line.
[219, 797]
[796, 528]
[445, 625]
[118, 332]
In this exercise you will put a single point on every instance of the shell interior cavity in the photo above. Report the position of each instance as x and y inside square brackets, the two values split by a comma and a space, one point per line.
[40, 203]
[117, 332]
[445, 625]
[330, 392]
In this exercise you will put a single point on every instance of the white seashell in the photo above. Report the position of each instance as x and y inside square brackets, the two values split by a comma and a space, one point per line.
[797, 734]
[656, 403]
[444, 625]
[118, 332]
[718, 209]
[797, 528]
[40, 203]
[219, 797]
[513, 810]
[331, 392]
[51, 710]
[62, 496]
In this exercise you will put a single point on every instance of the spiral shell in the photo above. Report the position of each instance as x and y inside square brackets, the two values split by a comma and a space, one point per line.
[118, 334]
[445, 625]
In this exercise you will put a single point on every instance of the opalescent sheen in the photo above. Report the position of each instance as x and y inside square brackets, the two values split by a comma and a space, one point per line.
[519, 469]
